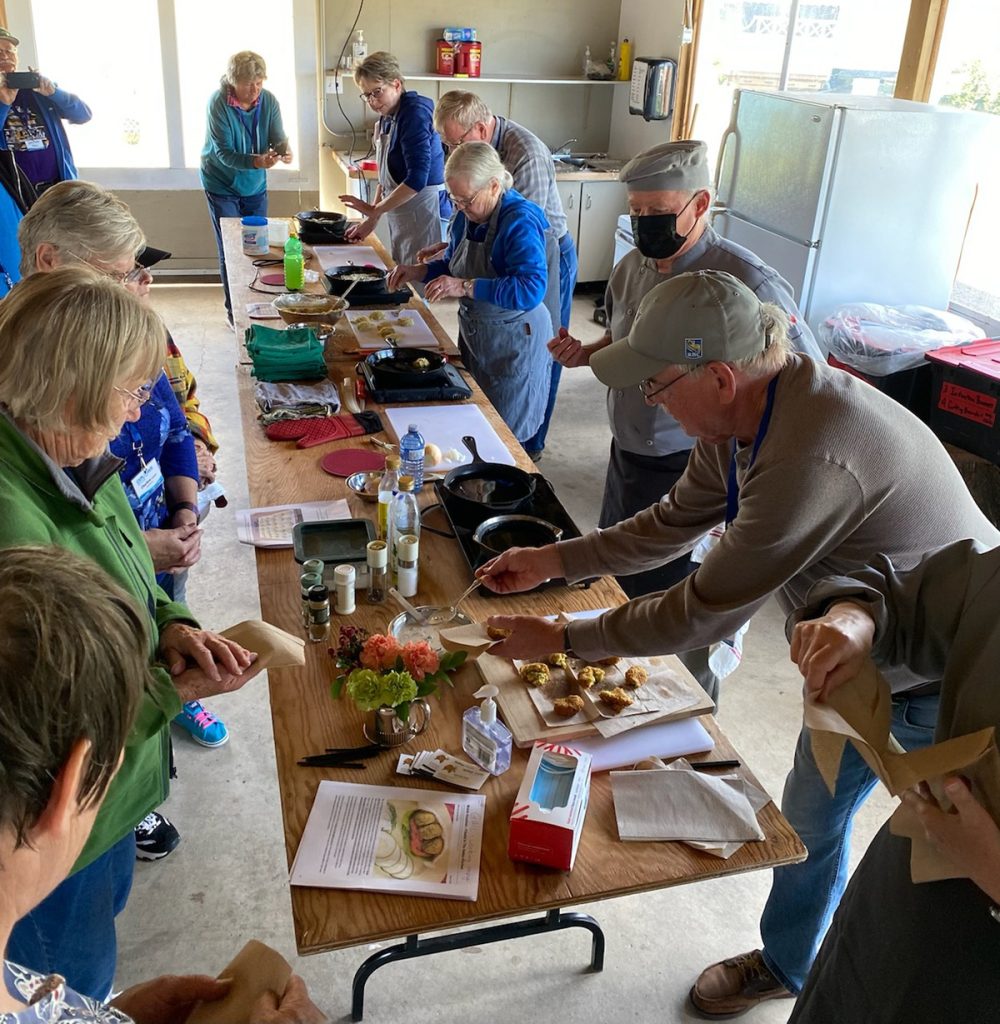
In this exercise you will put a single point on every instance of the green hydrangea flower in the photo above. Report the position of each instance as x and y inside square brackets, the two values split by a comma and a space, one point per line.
[370, 689]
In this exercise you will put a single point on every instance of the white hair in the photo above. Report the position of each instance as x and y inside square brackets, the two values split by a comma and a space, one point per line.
[480, 163]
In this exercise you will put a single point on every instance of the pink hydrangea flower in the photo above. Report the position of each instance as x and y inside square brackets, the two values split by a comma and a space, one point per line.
[420, 660]
[380, 652]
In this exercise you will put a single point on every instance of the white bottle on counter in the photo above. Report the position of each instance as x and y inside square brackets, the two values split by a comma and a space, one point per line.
[359, 49]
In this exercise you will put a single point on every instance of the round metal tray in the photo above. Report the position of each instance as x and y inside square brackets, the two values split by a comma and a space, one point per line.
[405, 628]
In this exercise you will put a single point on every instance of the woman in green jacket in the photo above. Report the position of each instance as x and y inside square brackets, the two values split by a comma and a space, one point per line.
[77, 352]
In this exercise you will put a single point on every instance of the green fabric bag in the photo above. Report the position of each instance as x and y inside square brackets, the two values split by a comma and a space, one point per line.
[295, 354]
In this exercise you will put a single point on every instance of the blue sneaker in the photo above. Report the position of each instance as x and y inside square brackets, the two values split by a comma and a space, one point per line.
[203, 726]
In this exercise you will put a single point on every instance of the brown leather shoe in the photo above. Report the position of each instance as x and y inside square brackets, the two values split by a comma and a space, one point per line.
[731, 987]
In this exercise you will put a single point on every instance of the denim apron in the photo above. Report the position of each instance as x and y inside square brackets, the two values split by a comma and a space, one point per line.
[504, 349]
[417, 223]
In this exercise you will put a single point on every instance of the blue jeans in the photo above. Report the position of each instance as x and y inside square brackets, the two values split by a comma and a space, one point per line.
[804, 896]
[567, 279]
[72, 931]
[232, 206]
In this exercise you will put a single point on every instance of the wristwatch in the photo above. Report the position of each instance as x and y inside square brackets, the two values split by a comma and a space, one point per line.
[178, 505]
[468, 285]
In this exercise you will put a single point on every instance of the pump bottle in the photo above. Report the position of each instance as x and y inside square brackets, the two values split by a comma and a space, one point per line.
[484, 739]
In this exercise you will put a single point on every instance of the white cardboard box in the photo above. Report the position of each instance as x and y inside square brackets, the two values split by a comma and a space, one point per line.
[547, 820]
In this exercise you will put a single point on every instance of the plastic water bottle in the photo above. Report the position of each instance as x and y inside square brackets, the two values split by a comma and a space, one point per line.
[295, 264]
[411, 452]
[404, 533]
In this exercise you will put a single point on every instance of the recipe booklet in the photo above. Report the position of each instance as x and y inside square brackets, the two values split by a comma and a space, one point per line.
[412, 842]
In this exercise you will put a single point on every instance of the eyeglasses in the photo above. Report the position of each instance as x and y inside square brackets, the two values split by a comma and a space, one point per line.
[119, 276]
[464, 204]
[449, 146]
[373, 95]
[140, 397]
[651, 388]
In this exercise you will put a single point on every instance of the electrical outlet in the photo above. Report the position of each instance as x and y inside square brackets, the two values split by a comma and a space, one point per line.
[334, 84]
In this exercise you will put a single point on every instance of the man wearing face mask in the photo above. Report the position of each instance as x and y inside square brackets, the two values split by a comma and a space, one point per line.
[669, 199]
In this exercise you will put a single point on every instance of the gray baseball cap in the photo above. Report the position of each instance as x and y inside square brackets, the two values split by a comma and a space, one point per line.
[669, 167]
[5, 33]
[704, 317]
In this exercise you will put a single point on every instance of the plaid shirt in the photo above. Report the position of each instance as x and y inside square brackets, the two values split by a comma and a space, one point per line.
[530, 164]
[183, 384]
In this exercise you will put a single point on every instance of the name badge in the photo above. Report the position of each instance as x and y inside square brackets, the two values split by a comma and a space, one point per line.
[31, 144]
[147, 480]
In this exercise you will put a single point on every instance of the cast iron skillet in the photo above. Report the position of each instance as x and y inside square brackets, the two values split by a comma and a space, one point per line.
[373, 282]
[498, 533]
[487, 486]
[400, 362]
[321, 225]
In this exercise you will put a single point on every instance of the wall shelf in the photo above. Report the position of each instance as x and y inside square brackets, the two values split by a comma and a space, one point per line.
[512, 79]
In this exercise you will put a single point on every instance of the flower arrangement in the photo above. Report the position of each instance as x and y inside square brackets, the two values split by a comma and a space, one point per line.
[378, 671]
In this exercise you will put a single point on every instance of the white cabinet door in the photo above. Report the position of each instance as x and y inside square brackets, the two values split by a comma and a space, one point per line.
[601, 204]
[569, 193]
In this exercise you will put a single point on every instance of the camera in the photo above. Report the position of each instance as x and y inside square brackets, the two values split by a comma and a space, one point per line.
[22, 79]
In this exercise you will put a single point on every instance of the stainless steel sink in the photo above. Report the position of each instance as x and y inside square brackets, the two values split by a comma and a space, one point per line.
[587, 161]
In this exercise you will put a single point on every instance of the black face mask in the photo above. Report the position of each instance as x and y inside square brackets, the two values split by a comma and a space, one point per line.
[656, 234]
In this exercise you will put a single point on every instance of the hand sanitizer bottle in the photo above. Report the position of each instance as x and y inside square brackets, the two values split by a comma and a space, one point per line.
[484, 739]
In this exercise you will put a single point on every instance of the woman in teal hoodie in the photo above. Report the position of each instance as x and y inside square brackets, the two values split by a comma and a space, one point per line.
[243, 139]
[75, 352]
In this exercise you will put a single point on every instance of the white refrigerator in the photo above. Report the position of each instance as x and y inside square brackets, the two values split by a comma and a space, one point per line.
[850, 198]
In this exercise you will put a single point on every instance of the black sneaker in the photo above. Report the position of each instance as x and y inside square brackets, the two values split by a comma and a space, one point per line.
[155, 837]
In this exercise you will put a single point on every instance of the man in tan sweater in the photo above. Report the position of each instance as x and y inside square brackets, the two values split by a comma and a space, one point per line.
[814, 473]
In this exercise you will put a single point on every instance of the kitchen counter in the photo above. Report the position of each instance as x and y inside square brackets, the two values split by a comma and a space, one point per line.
[569, 174]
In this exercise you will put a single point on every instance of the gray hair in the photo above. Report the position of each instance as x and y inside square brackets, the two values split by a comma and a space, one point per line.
[480, 163]
[245, 66]
[81, 218]
[464, 108]
[380, 66]
[770, 360]
[67, 338]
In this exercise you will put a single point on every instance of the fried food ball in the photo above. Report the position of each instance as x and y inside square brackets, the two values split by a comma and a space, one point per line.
[376, 315]
[616, 699]
[590, 675]
[534, 673]
[558, 660]
[496, 633]
[635, 676]
[567, 707]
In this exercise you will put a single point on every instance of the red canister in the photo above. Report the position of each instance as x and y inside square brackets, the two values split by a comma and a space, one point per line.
[474, 56]
[445, 58]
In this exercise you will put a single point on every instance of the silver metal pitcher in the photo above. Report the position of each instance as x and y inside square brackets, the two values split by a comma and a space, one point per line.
[387, 729]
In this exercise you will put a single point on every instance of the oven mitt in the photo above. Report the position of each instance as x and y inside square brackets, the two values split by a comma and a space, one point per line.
[319, 430]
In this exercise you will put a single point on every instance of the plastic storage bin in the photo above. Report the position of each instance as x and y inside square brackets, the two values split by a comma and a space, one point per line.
[965, 397]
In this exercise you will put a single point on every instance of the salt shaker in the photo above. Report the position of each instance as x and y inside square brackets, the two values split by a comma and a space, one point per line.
[343, 583]
[407, 547]
[378, 571]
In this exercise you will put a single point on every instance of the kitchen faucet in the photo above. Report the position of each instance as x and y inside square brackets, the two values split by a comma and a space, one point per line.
[563, 150]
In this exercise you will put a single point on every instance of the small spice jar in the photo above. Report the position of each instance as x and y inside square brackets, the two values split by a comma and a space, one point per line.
[319, 613]
[378, 571]
[343, 584]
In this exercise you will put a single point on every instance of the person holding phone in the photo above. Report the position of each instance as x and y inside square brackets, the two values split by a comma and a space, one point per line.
[33, 109]
[244, 138]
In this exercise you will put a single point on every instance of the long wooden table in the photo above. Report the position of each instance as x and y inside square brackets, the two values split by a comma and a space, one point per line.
[306, 720]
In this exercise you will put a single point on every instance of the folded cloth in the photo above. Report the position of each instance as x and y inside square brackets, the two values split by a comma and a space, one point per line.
[294, 354]
[286, 400]
[683, 804]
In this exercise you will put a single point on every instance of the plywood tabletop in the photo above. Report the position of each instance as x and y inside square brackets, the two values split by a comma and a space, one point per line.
[306, 719]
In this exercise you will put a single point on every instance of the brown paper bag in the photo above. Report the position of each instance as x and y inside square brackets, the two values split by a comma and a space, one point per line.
[859, 711]
[254, 970]
[274, 647]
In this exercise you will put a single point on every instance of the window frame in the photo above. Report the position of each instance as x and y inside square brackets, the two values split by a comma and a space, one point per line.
[177, 176]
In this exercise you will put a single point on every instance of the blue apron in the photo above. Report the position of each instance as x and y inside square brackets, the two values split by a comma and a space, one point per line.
[505, 349]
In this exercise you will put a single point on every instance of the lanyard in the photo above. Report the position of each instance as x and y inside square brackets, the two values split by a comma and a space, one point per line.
[136, 438]
[733, 493]
[251, 131]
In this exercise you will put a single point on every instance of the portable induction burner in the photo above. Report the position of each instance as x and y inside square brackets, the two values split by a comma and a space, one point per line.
[443, 384]
[543, 503]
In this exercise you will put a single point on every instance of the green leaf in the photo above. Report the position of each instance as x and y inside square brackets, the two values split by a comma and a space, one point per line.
[403, 711]
[426, 687]
[337, 686]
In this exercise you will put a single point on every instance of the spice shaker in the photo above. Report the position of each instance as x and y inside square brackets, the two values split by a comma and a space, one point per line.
[319, 613]
[378, 571]
[343, 584]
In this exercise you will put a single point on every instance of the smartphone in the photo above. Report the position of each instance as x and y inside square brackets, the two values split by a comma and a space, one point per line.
[281, 148]
[22, 79]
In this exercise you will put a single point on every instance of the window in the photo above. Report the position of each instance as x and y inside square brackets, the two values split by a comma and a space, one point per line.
[147, 71]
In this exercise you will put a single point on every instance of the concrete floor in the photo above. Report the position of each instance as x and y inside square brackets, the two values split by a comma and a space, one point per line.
[226, 882]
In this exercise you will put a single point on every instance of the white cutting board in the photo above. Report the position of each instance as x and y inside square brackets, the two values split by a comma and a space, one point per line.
[331, 256]
[445, 425]
[662, 739]
[416, 335]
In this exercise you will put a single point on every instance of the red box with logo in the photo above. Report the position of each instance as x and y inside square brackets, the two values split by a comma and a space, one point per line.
[965, 399]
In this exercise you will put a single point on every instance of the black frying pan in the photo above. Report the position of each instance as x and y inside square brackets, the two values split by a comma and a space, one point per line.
[482, 487]
[406, 365]
[500, 533]
[370, 281]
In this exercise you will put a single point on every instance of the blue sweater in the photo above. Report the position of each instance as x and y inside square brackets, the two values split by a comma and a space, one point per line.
[232, 137]
[161, 432]
[518, 254]
[10, 252]
[416, 157]
[61, 105]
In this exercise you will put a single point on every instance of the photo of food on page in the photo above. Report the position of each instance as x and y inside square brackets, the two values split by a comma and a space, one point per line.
[413, 841]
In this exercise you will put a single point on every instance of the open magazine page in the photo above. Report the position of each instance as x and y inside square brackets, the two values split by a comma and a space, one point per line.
[272, 527]
[388, 839]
